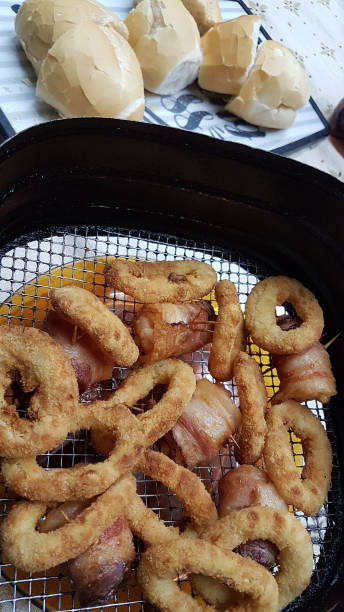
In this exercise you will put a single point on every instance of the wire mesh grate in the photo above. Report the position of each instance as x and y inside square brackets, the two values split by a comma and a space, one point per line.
[27, 274]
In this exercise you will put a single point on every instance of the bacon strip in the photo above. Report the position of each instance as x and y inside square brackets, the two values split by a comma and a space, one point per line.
[207, 422]
[305, 376]
[89, 363]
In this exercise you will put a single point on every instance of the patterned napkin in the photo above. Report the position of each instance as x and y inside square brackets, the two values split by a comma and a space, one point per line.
[314, 31]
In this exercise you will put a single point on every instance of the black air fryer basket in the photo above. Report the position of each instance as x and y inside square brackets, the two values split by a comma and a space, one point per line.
[74, 192]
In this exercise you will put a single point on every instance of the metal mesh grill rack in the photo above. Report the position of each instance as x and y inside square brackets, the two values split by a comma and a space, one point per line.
[27, 272]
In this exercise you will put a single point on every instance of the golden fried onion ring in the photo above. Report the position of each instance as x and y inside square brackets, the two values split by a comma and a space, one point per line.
[161, 281]
[133, 434]
[82, 481]
[33, 551]
[277, 526]
[228, 336]
[197, 503]
[196, 500]
[181, 383]
[85, 310]
[45, 369]
[260, 316]
[160, 565]
[305, 491]
[253, 398]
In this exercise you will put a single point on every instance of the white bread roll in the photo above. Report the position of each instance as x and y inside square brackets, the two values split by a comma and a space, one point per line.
[276, 87]
[92, 72]
[229, 49]
[205, 12]
[39, 23]
[166, 41]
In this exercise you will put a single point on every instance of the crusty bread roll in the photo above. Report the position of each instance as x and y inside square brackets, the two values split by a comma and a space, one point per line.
[90, 71]
[166, 41]
[229, 49]
[205, 12]
[276, 87]
[39, 23]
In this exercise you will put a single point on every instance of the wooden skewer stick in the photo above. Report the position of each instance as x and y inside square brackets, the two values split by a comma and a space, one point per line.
[202, 329]
[333, 339]
[209, 322]
[232, 438]
[75, 333]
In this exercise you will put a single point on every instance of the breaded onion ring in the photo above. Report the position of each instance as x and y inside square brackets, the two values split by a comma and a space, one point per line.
[305, 491]
[260, 316]
[191, 491]
[133, 434]
[102, 441]
[44, 369]
[277, 526]
[198, 505]
[161, 281]
[64, 544]
[228, 336]
[85, 310]
[32, 551]
[181, 382]
[253, 401]
[30, 480]
[160, 565]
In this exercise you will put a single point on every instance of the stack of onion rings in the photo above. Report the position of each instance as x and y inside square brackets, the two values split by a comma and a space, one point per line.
[20, 537]
[133, 434]
[32, 551]
[124, 439]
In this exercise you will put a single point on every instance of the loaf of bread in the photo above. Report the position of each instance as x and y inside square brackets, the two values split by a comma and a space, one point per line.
[92, 72]
[166, 41]
[39, 23]
[229, 49]
[84, 63]
[205, 12]
[276, 87]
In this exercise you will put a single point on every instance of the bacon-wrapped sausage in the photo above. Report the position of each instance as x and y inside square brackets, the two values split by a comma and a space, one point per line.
[244, 487]
[306, 375]
[89, 363]
[209, 419]
[169, 330]
[98, 572]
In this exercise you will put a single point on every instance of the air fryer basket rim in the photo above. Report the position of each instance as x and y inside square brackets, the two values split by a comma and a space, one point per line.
[116, 173]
